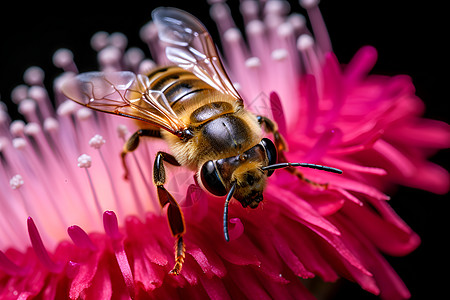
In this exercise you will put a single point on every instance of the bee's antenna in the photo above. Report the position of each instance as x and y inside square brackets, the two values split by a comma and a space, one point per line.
[225, 212]
[306, 165]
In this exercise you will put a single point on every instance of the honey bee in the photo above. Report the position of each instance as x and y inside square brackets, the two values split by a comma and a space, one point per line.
[195, 108]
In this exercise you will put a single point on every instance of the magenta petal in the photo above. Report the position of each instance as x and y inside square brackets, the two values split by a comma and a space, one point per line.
[237, 230]
[112, 230]
[389, 238]
[277, 112]
[111, 225]
[40, 250]
[289, 257]
[301, 210]
[101, 287]
[390, 285]
[202, 260]
[9, 267]
[80, 238]
[334, 89]
[323, 143]
[215, 288]
[84, 276]
[309, 90]
[361, 64]
[248, 284]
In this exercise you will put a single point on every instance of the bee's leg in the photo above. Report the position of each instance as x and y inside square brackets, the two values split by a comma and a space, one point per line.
[174, 213]
[133, 143]
[271, 127]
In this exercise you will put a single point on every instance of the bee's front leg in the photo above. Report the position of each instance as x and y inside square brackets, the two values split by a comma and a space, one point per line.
[174, 213]
[133, 142]
[271, 127]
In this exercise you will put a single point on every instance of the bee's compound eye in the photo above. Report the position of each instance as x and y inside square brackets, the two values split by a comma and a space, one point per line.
[211, 180]
[271, 152]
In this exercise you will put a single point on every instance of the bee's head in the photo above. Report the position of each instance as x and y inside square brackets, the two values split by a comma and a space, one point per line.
[245, 171]
[244, 176]
[250, 182]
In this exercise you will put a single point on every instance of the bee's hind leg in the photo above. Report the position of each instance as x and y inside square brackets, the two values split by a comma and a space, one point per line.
[174, 213]
[271, 127]
[133, 142]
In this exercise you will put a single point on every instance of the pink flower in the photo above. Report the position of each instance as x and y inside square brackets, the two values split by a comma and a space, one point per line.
[90, 234]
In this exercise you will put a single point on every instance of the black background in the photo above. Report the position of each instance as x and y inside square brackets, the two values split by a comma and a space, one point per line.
[410, 36]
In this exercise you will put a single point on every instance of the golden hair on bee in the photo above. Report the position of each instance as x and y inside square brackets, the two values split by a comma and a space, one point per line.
[244, 168]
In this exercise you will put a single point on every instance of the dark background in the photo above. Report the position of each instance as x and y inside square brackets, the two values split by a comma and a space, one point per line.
[410, 39]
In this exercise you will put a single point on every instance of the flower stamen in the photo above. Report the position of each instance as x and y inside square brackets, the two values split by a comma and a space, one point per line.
[85, 161]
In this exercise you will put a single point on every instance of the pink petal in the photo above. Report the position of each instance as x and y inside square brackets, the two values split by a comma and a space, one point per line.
[277, 113]
[40, 250]
[289, 257]
[80, 238]
[215, 288]
[237, 229]
[361, 64]
[304, 248]
[386, 236]
[300, 210]
[112, 230]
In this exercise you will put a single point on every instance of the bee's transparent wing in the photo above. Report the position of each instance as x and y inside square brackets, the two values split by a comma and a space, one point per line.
[190, 46]
[125, 94]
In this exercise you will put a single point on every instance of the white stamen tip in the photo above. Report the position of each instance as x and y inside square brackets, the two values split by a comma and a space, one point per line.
[232, 35]
[122, 131]
[16, 182]
[307, 4]
[19, 143]
[304, 42]
[34, 76]
[19, 93]
[253, 62]
[219, 11]
[249, 8]
[27, 106]
[37, 93]
[109, 55]
[84, 161]
[59, 81]
[118, 40]
[32, 129]
[51, 124]
[16, 128]
[62, 58]
[276, 7]
[134, 56]
[285, 29]
[255, 27]
[298, 21]
[97, 141]
[84, 113]
[66, 108]
[148, 32]
[146, 66]
[99, 40]
[279, 54]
